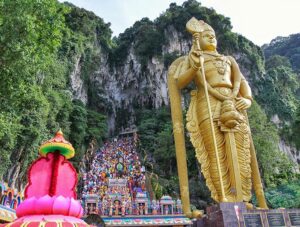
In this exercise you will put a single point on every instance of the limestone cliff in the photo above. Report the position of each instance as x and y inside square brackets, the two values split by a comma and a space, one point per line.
[130, 75]
[121, 75]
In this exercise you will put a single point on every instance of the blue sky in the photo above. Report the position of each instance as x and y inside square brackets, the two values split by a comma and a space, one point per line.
[258, 20]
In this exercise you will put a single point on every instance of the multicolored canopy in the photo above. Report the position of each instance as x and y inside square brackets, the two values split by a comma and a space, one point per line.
[58, 143]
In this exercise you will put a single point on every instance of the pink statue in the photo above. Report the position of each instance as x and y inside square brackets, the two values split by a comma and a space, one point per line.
[50, 195]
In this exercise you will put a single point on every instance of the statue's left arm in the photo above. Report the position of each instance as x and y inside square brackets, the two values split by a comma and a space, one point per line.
[241, 89]
[245, 89]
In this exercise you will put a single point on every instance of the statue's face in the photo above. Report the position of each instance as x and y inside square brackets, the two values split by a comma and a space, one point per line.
[208, 41]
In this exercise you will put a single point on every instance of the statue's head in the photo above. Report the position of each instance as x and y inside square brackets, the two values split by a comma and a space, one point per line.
[208, 40]
[204, 36]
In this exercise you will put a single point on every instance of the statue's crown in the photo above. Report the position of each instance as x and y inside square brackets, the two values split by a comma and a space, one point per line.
[197, 26]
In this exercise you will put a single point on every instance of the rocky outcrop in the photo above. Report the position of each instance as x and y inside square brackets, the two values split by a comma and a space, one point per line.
[125, 87]
[120, 88]
[175, 42]
[76, 82]
[291, 152]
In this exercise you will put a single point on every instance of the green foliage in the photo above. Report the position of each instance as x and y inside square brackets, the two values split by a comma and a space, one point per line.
[78, 125]
[275, 166]
[164, 152]
[86, 24]
[34, 96]
[276, 61]
[41, 40]
[156, 140]
[86, 125]
[285, 46]
[157, 188]
[170, 57]
[284, 196]
[31, 33]
[147, 37]
[97, 126]
[148, 40]
[9, 127]
[152, 122]
[296, 129]
[177, 16]
[280, 86]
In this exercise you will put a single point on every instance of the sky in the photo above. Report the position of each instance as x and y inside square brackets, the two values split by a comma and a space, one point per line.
[258, 20]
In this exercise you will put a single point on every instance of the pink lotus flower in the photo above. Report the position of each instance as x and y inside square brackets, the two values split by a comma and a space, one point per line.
[47, 205]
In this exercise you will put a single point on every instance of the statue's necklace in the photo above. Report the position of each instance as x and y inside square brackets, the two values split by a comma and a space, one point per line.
[219, 62]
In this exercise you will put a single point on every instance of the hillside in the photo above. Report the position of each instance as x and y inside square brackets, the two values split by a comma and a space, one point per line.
[286, 47]
[71, 74]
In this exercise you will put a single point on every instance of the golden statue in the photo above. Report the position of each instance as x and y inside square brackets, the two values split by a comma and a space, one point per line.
[216, 121]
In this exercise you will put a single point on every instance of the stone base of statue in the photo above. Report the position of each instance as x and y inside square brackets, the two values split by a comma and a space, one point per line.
[236, 215]
[223, 215]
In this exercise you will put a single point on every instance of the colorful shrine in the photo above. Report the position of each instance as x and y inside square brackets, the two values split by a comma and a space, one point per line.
[50, 196]
[10, 199]
[115, 188]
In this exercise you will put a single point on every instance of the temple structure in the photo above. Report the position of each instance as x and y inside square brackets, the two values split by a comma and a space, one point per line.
[115, 188]
[50, 196]
[10, 199]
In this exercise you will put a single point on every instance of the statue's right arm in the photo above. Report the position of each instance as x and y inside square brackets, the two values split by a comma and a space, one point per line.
[187, 69]
[185, 78]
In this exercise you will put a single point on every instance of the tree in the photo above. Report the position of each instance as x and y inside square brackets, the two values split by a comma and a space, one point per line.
[31, 33]
[275, 166]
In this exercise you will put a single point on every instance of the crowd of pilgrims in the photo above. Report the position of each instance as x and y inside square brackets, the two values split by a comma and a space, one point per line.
[117, 159]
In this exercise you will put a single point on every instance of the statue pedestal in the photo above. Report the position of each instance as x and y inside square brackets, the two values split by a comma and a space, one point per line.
[225, 214]
[236, 215]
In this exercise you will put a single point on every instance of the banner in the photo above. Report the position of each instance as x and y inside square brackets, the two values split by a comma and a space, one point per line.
[117, 182]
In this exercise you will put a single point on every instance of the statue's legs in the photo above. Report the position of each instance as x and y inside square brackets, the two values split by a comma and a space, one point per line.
[235, 171]
[242, 140]
[208, 142]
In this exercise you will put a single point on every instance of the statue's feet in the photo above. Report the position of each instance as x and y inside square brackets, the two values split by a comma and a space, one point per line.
[197, 214]
[223, 200]
[249, 206]
[189, 214]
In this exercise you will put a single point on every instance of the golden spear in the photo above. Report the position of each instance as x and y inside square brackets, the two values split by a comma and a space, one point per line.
[194, 27]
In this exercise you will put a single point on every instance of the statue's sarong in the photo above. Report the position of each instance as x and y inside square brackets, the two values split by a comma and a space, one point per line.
[203, 141]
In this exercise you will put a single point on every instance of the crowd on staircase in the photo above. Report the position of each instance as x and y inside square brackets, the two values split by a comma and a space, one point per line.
[116, 171]
[116, 182]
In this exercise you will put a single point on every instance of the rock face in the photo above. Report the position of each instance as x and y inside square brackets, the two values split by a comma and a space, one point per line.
[291, 151]
[127, 86]
[77, 84]
[119, 89]
[285, 46]
[176, 42]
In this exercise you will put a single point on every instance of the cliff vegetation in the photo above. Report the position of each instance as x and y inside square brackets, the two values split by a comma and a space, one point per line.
[60, 68]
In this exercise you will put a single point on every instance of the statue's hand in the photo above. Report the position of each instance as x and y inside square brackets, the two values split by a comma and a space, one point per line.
[243, 103]
[194, 58]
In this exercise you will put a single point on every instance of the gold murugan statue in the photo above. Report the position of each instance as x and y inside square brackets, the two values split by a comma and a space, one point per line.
[216, 121]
